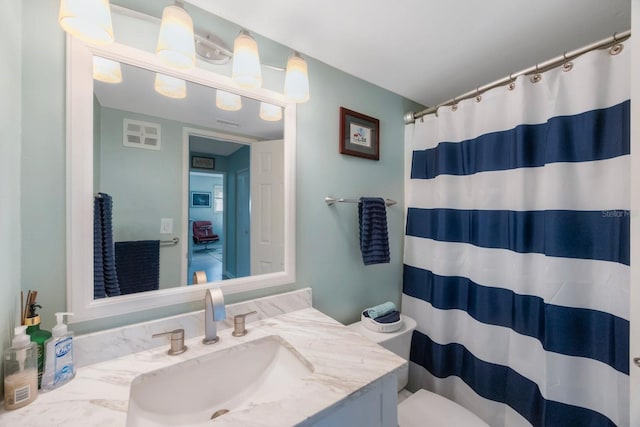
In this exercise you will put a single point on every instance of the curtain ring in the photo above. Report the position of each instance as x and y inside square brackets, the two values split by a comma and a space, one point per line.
[512, 83]
[568, 65]
[454, 106]
[478, 96]
[536, 77]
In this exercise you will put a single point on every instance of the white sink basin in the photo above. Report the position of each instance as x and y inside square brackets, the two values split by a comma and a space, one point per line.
[189, 393]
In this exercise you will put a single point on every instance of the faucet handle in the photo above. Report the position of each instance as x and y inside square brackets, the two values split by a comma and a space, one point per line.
[177, 341]
[239, 329]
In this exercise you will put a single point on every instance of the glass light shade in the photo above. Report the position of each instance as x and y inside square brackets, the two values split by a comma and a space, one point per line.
[88, 20]
[169, 86]
[246, 70]
[106, 70]
[270, 112]
[228, 101]
[296, 79]
[176, 43]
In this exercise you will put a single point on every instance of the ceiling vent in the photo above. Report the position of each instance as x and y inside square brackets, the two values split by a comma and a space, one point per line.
[139, 134]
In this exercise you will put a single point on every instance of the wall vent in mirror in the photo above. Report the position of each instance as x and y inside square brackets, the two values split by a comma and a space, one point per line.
[139, 134]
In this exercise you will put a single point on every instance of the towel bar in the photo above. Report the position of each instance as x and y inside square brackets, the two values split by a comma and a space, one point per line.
[332, 200]
[171, 242]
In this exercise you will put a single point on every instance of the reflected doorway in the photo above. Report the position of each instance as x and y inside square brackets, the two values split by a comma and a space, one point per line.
[206, 226]
[219, 203]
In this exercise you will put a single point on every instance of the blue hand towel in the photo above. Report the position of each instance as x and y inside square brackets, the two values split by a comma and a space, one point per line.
[374, 237]
[381, 310]
[392, 317]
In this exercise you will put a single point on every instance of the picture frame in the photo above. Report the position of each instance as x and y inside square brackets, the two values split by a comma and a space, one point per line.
[200, 199]
[201, 162]
[359, 135]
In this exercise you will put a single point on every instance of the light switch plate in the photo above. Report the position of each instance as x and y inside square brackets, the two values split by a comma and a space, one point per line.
[166, 225]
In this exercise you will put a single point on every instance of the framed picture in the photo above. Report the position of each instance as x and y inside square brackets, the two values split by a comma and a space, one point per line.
[359, 135]
[200, 199]
[203, 162]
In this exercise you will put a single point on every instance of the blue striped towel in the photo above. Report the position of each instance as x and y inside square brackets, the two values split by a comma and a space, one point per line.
[374, 238]
[105, 280]
[98, 253]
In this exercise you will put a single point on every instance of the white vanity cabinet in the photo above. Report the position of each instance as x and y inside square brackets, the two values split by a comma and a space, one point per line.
[377, 406]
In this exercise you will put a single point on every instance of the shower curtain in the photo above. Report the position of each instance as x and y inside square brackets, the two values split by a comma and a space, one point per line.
[516, 259]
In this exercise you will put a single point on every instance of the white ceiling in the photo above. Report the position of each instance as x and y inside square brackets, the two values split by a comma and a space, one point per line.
[136, 94]
[427, 50]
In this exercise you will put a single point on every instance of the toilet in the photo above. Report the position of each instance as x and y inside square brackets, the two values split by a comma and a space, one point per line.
[422, 408]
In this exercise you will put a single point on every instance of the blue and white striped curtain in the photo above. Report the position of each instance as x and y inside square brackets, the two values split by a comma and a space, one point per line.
[516, 260]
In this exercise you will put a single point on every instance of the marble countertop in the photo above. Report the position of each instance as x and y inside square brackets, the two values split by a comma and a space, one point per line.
[344, 363]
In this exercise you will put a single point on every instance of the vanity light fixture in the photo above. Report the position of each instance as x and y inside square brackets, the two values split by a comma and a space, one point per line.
[88, 20]
[228, 101]
[296, 79]
[169, 86]
[246, 71]
[106, 70]
[212, 49]
[176, 43]
[270, 112]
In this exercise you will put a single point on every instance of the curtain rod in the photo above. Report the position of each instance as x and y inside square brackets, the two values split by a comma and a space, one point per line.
[411, 116]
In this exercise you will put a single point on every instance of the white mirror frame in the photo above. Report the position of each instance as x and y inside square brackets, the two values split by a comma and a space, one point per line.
[80, 290]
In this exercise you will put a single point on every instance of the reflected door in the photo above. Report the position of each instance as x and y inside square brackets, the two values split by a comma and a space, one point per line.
[267, 204]
[243, 224]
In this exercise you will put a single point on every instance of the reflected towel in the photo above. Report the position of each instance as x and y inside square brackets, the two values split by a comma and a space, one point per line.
[374, 238]
[98, 261]
[105, 280]
[138, 265]
[111, 284]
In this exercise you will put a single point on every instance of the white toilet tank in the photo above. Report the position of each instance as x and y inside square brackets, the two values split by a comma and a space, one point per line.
[398, 342]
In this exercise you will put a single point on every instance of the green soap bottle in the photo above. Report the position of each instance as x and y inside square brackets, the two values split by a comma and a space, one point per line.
[38, 336]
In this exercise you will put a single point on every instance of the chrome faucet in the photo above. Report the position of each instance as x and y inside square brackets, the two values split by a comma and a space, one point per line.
[214, 311]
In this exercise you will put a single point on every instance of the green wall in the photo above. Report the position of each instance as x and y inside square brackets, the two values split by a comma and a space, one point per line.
[328, 257]
[10, 120]
[146, 185]
[42, 186]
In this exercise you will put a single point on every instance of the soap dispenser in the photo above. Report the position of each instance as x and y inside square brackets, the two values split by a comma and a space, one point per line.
[59, 367]
[20, 371]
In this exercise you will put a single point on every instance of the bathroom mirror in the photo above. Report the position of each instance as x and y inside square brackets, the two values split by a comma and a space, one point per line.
[156, 185]
[140, 164]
